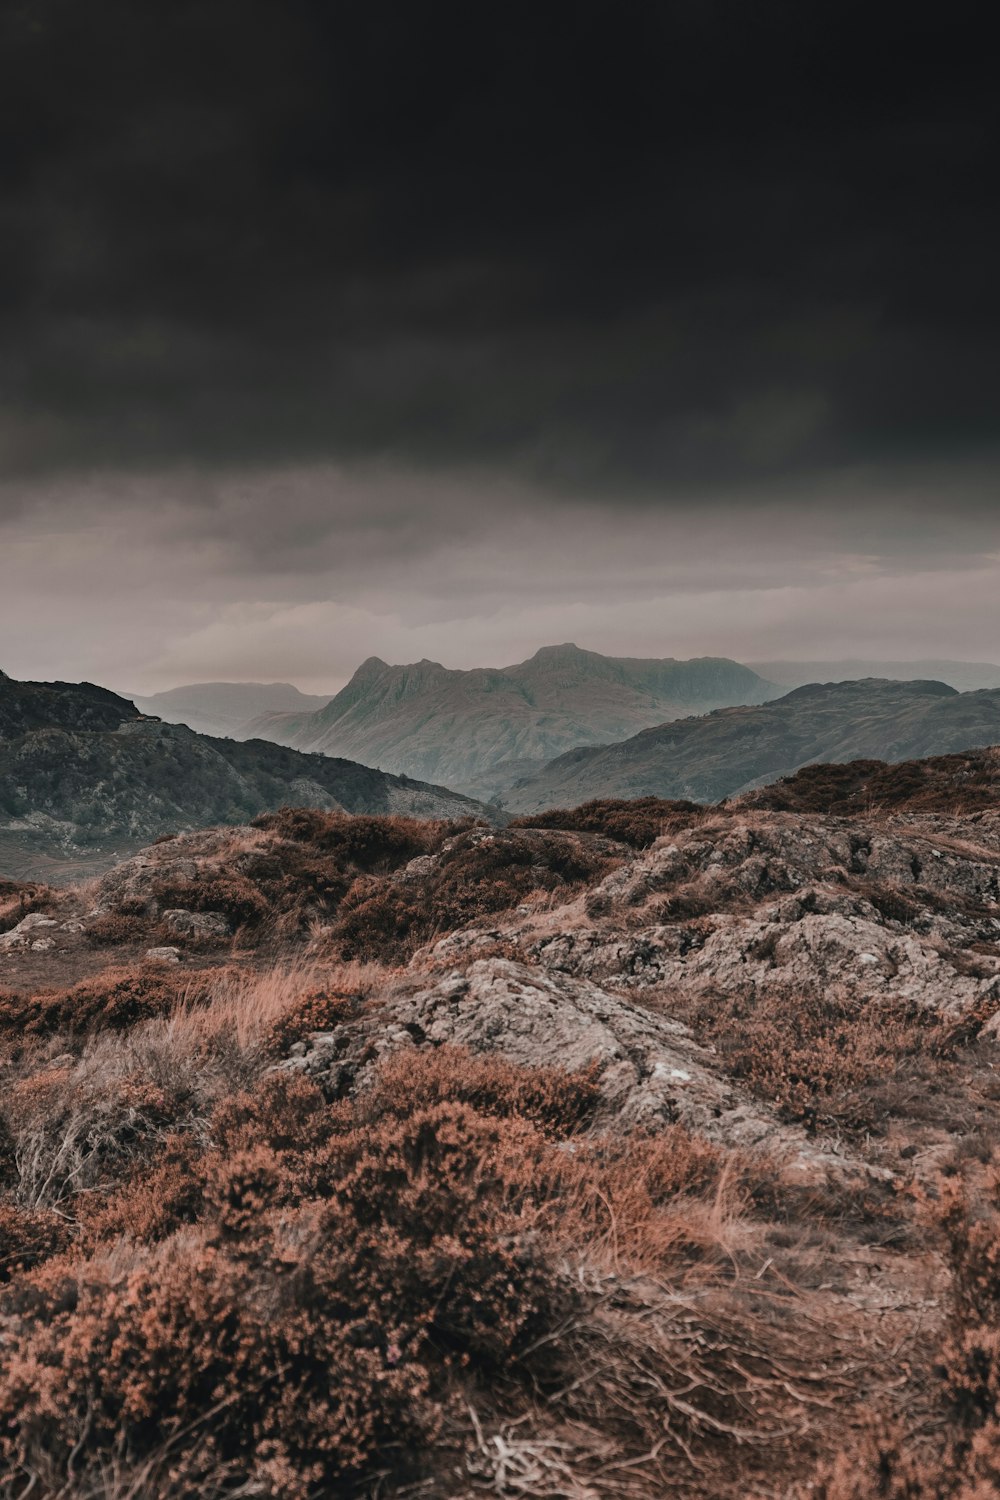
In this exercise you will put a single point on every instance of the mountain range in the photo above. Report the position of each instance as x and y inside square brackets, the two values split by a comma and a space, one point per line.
[84, 775]
[731, 750]
[480, 730]
[226, 708]
[967, 676]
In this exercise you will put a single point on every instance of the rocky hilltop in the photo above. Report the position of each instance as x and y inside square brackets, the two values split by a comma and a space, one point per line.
[477, 730]
[639, 1149]
[84, 775]
[723, 753]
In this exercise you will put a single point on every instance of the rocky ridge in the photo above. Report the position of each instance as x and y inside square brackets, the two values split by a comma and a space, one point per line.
[83, 772]
[479, 730]
[730, 751]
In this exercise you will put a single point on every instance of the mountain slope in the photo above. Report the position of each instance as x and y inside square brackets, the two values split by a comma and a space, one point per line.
[733, 749]
[225, 708]
[479, 729]
[81, 768]
[966, 676]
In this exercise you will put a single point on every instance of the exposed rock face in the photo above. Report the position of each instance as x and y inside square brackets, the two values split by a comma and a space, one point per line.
[652, 1071]
[196, 924]
[908, 909]
[27, 932]
[164, 955]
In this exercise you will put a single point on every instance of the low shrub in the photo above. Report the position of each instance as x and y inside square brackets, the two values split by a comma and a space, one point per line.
[475, 876]
[361, 843]
[299, 1345]
[28, 1237]
[316, 1010]
[235, 897]
[116, 928]
[965, 782]
[117, 998]
[964, 1461]
[820, 1058]
[638, 822]
[558, 1102]
[19, 899]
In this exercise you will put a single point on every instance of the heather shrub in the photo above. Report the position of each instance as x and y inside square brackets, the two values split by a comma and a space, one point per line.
[316, 1010]
[963, 1463]
[285, 1112]
[820, 1057]
[115, 928]
[117, 998]
[364, 843]
[558, 1102]
[18, 900]
[235, 897]
[28, 1237]
[965, 782]
[153, 1199]
[638, 822]
[300, 1343]
[477, 874]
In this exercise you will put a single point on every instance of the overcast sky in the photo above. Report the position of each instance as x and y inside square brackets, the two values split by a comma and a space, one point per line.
[453, 330]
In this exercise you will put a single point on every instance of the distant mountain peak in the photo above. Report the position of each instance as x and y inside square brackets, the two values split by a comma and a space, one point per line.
[480, 727]
[557, 653]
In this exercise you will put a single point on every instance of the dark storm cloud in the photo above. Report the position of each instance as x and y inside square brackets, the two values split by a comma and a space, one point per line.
[617, 249]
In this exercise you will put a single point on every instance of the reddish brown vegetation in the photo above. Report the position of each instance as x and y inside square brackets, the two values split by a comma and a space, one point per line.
[116, 998]
[404, 1246]
[476, 875]
[316, 1010]
[349, 875]
[959, 1457]
[968, 782]
[28, 1237]
[18, 900]
[826, 1059]
[369, 844]
[637, 823]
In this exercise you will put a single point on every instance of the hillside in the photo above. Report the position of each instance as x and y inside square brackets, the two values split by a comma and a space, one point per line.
[478, 730]
[728, 751]
[223, 709]
[643, 1149]
[82, 770]
[966, 676]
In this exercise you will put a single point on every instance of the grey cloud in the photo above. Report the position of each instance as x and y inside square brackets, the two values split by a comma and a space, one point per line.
[629, 248]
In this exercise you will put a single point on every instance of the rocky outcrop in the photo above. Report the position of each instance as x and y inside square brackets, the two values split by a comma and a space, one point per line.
[210, 926]
[906, 910]
[652, 1072]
